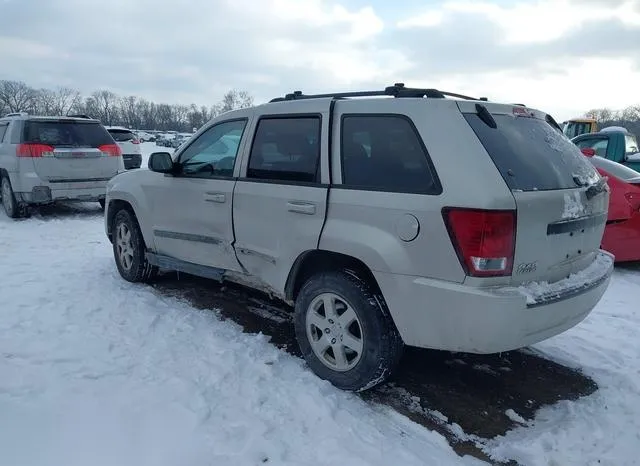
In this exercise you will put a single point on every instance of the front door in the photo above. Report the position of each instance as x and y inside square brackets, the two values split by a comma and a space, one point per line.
[279, 205]
[192, 209]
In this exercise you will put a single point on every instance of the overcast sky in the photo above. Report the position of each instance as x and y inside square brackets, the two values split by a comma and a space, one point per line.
[562, 56]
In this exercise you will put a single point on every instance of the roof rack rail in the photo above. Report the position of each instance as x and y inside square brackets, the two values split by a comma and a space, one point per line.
[80, 115]
[397, 90]
[16, 114]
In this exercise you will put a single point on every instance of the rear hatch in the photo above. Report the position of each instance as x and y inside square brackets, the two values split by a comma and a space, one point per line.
[70, 150]
[561, 200]
[127, 140]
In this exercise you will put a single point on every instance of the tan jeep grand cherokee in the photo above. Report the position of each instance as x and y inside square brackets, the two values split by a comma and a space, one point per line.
[415, 219]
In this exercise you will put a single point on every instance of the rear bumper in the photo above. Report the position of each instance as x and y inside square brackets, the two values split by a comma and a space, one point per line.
[454, 317]
[132, 161]
[46, 193]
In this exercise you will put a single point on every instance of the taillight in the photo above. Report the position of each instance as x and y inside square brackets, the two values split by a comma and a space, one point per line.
[111, 149]
[483, 239]
[34, 150]
[634, 200]
[135, 141]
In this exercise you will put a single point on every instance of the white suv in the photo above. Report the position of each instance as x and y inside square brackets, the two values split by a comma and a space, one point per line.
[456, 224]
[48, 159]
[129, 144]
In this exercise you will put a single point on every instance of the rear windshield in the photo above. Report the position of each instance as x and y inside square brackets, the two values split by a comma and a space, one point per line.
[531, 155]
[121, 135]
[66, 133]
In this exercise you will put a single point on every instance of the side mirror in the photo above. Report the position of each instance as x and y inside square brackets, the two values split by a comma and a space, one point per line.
[589, 152]
[635, 157]
[161, 162]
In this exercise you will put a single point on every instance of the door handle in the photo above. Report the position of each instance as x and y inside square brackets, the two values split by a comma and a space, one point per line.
[301, 207]
[215, 197]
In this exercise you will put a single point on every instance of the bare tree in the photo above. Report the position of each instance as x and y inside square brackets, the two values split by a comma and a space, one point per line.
[233, 100]
[128, 111]
[46, 100]
[601, 114]
[104, 104]
[16, 96]
[66, 100]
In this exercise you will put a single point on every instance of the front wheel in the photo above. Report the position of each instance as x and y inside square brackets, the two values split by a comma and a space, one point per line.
[129, 249]
[345, 332]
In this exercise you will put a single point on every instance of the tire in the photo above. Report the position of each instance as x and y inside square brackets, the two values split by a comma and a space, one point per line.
[350, 297]
[129, 250]
[101, 202]
[9, 202]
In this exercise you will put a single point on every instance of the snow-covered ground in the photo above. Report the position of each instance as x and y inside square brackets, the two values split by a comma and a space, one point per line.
[97, 371]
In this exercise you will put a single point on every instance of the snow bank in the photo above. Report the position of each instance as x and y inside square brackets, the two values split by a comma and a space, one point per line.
[96, 371]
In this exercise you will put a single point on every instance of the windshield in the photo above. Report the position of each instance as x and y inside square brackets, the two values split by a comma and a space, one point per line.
[573, 129]
[531, 155]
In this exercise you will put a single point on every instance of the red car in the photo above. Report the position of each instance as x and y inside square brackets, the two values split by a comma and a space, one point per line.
[622, 233]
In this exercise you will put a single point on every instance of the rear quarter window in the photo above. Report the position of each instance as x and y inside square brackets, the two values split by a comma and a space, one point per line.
[531, 155]
[66, 133]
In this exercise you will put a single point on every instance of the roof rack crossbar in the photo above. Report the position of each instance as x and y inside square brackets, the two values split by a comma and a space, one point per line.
[397, 90]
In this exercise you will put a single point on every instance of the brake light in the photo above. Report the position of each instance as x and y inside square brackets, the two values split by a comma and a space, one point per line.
[34, 150]
[135, 141]
[111, 149]
[483, 239]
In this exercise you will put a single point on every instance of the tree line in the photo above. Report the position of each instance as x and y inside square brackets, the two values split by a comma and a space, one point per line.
[628, 118]
[134, 112]
[115, 110]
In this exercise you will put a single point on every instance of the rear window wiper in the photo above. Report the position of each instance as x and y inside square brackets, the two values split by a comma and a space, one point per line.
[485, 116]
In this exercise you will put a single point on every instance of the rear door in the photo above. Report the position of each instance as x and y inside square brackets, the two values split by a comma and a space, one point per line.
[559, 223]
[279, 204]
[70, 150]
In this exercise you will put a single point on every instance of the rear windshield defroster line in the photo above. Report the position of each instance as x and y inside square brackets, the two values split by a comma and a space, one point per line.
[532, 155]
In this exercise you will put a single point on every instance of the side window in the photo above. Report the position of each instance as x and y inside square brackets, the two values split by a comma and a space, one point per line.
[3, 130]
[385, 153]
[630, 145]
[598, 145]
[214, 152]
[286, 149]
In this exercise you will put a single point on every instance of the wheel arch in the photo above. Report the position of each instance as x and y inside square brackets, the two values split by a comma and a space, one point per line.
[318, 260]
[113, 207]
